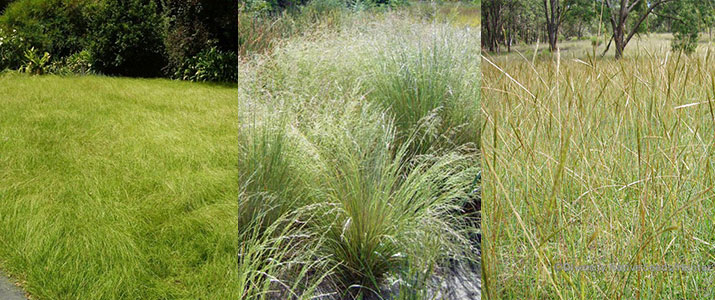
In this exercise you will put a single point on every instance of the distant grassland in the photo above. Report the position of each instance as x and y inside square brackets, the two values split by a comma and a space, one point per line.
[262, 33]
[457, 13]
[599, 162]
[118, 188]
[575, 48]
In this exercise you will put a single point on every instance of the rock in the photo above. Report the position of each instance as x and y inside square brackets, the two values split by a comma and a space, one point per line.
[9, 291]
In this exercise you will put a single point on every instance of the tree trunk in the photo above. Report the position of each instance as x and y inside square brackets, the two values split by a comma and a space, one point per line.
[618, 38]
[553, 40]
[619, 18]
[552, 12]
[491, 26]
[510, 40]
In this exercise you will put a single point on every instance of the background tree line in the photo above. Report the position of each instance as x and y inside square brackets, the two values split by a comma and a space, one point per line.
[183, 39]
[508, 22]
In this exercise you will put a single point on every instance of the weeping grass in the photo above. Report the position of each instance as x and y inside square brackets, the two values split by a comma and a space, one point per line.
[118, 188]
[320, 134]
[590, 164]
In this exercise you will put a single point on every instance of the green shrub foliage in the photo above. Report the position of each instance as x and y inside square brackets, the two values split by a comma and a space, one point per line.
[78, 63]
[58, 27]
[4, 4]
[35, 63]
[686, 28]
[211, 64]
[12, 48]
[126, 38]
[192, 24]
[145, 38]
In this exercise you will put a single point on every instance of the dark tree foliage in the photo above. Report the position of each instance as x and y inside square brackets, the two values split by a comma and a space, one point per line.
[125, 38]
[283, 4]
[686, 20]
[581, 13]
[218, 17]
[492, 22]
[196, 25]
[505, 22]
[143, 38]
[187, 33]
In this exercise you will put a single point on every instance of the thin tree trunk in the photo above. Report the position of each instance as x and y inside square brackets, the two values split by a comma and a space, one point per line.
[608, 46]
[553, 40]
[620, 42]
[619, 19]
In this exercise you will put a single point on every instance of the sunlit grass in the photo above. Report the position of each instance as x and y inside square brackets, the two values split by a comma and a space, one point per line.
[118, 188]
[639, 45]
[599, 162]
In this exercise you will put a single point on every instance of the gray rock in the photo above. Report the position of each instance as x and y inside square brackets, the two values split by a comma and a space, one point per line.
[9, 291]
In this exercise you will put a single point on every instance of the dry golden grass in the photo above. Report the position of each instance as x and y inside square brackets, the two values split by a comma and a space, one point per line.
[598, 162]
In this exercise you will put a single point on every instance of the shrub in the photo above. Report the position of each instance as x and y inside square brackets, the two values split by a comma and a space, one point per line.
[192, 24]
[11, 49]
[686, 42]
[126, 38]
[211, 64]
[186, 35]
[77, 63]
[55, 26]
[35, 63]
[685, 36]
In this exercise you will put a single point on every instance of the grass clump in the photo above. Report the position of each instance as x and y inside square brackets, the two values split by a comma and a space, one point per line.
[382, 208]
[613, 180]
[322, 134]
[426, 93]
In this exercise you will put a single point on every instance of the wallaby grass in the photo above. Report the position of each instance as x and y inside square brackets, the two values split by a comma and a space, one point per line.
[379, 185]
[594, 162]
[117, 188]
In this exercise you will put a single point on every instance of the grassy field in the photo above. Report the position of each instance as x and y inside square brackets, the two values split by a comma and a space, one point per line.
[641, 44]
[599, 175]
[358, 153]
[118, 188]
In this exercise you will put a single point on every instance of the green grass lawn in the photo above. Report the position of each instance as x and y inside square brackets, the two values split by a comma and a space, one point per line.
[596, 163]
[115, 188]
